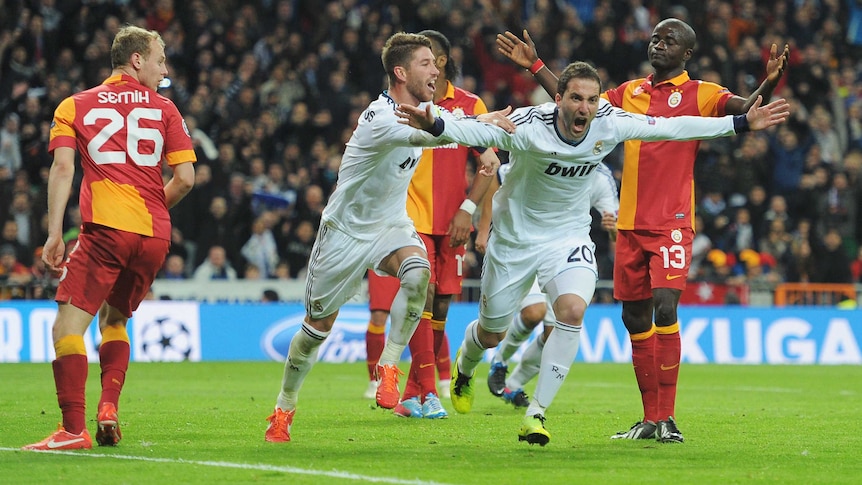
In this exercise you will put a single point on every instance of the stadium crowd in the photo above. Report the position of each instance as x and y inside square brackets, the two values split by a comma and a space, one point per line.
[271, 89]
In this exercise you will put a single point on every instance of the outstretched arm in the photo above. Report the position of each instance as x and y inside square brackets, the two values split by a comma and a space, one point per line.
[775, 67]
[523, 53]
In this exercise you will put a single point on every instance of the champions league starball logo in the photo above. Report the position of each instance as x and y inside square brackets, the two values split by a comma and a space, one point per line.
[166, 340]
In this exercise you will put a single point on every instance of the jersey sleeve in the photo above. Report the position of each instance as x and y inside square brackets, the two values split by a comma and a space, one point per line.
[712, 99]
[62, 132]
[472, 132]
[178, 140]
[631, 126]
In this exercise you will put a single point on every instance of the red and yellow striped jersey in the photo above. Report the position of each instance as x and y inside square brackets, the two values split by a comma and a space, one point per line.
[657, 189]
[123, 130]
[439, 185]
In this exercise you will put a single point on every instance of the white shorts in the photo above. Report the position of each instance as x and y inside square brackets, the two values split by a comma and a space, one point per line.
[562, 266]
[339, 261]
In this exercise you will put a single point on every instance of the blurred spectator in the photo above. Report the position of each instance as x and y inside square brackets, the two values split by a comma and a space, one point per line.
[282, 271]
[14, 275]
[777, 211]
[832, 262]
[802, 267]
[298, 247]
[29, 231]
[217, 230]
[310, 207]
[9, 238]
[215, 267]
[174, 268]
[260, 249]
[739, 234]
[837, 207]
[757, 207]
[10, 147]
[776, 243]
[251, 272]
[789, 155]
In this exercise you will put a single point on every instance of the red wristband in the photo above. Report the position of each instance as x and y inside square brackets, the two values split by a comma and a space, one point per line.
[537, 66]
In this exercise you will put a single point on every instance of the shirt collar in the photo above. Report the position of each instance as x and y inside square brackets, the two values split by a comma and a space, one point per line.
[676, 81]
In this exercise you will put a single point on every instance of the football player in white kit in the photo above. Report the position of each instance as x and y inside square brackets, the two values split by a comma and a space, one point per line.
[535, 307]
[365, 226]
[541, 215]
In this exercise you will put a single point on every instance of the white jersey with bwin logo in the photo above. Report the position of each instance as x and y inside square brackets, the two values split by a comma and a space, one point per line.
[548, 190]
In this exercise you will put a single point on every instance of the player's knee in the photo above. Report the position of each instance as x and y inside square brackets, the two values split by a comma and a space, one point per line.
[414, 273]
[491, 331]
[533, 314]
[665, 315]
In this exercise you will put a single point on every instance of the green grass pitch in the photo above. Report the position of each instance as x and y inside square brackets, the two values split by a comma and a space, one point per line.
[204, 423]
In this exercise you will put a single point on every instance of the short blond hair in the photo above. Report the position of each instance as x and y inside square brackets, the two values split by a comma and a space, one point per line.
[129, 40]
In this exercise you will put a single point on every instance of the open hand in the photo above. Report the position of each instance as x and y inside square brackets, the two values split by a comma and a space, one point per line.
[415, 117]
[521, 52]
[776, 64]
[762, 117]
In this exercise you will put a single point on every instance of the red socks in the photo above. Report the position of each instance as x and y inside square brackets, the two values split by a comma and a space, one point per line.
[114, 361]
[70, 378]
[668, 351]
[421, 379]
[374, 342]
[441, 352]
[643, 361]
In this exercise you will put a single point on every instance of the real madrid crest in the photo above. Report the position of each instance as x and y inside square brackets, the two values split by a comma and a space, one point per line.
[674, 99]
[458, 112]
[597, 148]
[676, 236]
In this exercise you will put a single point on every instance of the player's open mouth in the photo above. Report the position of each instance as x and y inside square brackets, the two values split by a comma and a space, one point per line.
[580, 122]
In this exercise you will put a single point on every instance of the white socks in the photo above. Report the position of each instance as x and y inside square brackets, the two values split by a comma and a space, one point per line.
[531, 359]
[471, 350]
[516, 335]
[301, 357]
[559, 353]
[406, 309]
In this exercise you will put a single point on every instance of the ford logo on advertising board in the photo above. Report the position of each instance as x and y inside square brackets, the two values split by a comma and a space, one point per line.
[346, 342]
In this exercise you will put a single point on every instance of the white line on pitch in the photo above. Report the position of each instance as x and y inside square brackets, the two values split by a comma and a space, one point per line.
[243, 466]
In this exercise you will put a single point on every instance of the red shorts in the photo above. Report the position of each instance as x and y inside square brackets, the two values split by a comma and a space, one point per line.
[447, 271]
[648, 259]
[110, 265]
[447, 264]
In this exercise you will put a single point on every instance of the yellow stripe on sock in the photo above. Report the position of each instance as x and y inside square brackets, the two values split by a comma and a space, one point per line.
[377, 330]
[113, 333]
[670, 329]
[438, 325]
[70, 345]
[427, 315]
[636, 337]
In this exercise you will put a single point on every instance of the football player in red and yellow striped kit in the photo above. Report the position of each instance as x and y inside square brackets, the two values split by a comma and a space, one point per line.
[443, 218]
[124, 132]
[656, 223]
